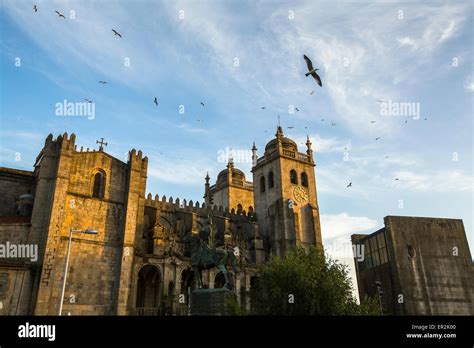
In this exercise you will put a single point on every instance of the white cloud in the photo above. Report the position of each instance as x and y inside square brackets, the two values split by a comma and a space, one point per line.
[469, 84]
[429, 181]
[343, 225]
[336, 230]
[322, 144]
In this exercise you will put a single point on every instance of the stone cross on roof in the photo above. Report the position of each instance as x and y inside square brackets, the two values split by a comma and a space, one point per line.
[102, 143]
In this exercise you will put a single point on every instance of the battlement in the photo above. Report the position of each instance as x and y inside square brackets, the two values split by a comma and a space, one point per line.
[196, 207]
[67, 143]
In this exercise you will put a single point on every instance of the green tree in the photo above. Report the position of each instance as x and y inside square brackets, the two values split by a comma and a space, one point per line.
[306, 283]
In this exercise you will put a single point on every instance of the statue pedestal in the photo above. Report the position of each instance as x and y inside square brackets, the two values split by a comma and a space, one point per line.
[209, 301]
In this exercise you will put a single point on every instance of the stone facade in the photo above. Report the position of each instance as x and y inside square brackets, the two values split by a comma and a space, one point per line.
[138, 262]
[417, 266]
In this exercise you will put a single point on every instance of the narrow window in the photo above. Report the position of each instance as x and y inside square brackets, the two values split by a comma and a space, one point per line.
[262, 184]
[99, 185]
[293, 177]
[270, 180]
[304, 179]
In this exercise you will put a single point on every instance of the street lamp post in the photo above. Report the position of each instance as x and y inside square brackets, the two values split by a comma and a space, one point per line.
[87, 231]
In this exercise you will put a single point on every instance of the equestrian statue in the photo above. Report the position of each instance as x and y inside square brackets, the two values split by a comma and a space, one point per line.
[205, 257]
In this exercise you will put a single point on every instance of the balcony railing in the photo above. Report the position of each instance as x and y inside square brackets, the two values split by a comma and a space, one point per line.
[147, 311]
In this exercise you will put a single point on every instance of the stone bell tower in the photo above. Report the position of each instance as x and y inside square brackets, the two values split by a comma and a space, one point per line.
[285, 195]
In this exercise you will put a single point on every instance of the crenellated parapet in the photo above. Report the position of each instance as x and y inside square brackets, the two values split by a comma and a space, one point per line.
[137, 162]
[177, 204]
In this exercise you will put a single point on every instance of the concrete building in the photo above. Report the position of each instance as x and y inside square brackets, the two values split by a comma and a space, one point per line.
[139, 262]
[417, 266]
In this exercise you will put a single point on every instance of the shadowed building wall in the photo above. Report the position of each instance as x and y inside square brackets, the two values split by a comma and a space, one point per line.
[417, 266]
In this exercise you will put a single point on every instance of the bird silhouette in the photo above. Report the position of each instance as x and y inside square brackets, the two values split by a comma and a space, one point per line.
[372, 121]
[290, 127]
[116, 33]
[88, 100]
[155, 101]
[312, 71]
[60, 14]
[202, 104]
[350, 184]
[333, 123]
[312, 92]
[35, 8]
[297, 109]
[103, 82]
[264, 107]
[377, 138]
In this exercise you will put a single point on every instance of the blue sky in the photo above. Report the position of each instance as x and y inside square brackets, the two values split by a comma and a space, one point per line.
[186, 52]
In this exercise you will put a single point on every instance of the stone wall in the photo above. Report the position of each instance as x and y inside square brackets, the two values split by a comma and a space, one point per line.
[13, 183]
[433, 265]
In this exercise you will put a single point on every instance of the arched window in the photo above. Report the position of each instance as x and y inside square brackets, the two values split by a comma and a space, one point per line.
[262, 184]
[304, 179]
[270, 180]
[99, 185]
[239, 208]
[250, 210]
[293, 177]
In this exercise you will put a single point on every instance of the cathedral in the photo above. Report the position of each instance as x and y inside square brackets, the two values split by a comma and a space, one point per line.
[137, 261]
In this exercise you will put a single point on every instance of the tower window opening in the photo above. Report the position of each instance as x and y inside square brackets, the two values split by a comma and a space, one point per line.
[304, 179]
[270, 180]
[262, 184]
[293, 177]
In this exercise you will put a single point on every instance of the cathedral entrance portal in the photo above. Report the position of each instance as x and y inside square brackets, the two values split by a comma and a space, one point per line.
[149, 290]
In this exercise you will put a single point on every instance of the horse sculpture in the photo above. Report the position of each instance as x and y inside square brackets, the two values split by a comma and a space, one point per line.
[203, 257]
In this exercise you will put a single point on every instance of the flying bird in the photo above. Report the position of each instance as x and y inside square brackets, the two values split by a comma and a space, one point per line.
[372, 121]
[312, 71]
[264, 107]
[103, 82]
[88, 100]
[380, 101]
[156, 101]
[312, 92]
[202, 104]
[350, 184]
[406, 121]
[60, 14]
[333, 123]
[396, 179]
[290, 127]
[322, 120]
[297, 109]
[116, 33]
[35, 8]
[377, 138]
